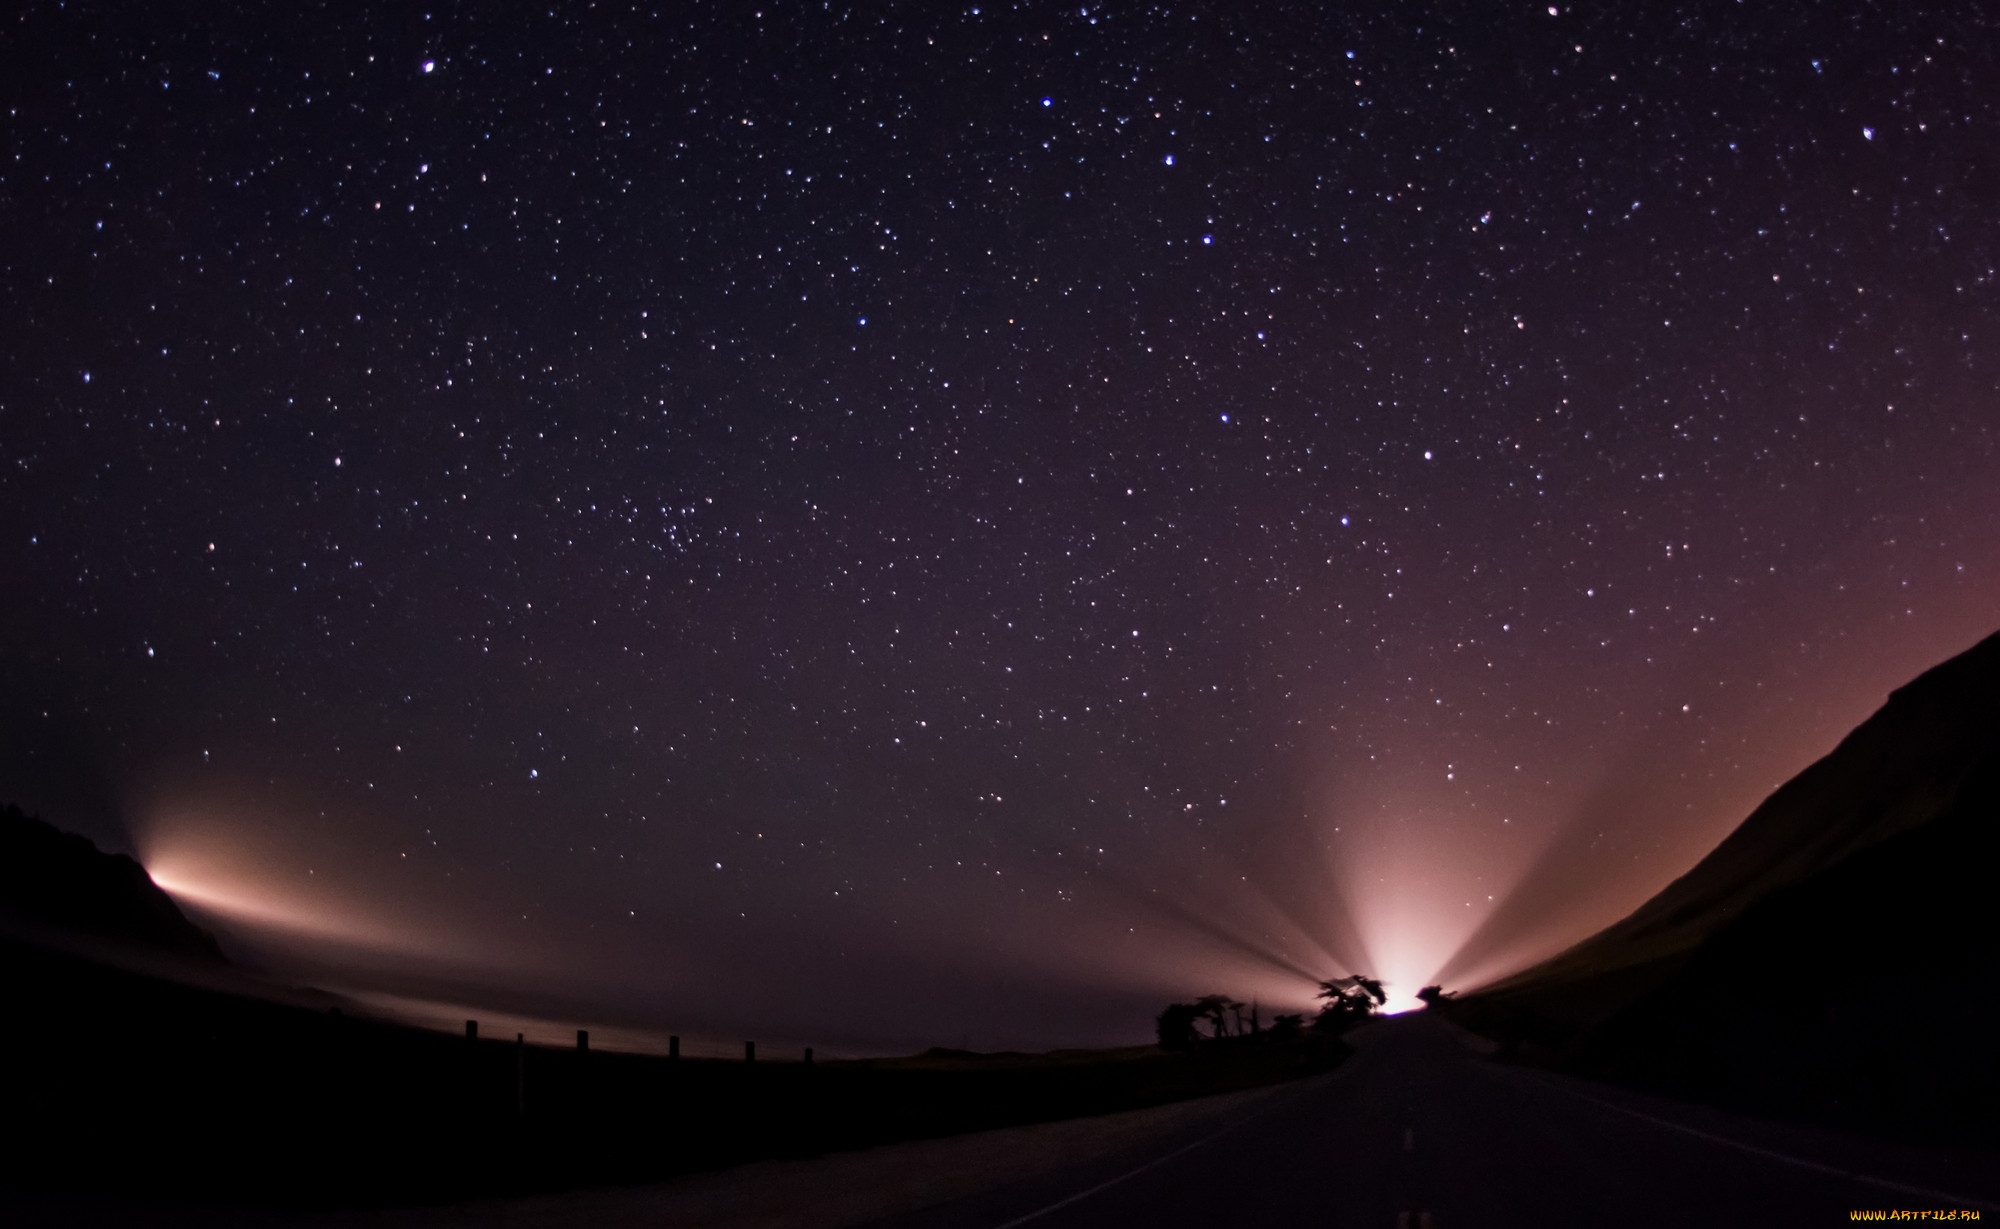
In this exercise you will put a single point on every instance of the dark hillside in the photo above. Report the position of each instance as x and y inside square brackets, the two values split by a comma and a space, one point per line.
[1836, 960]
[1905, 767]
[1866, 997]
[56, 880]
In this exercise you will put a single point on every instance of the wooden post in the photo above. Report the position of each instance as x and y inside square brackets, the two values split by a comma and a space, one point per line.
[582, 1040]
[673, 1047]
[749, 1051]
[520, 1075]
[472, 1030]
[809, 1056]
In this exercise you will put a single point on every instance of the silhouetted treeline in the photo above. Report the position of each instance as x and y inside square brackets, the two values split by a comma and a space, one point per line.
[1213, 1017]
[1216, 1018]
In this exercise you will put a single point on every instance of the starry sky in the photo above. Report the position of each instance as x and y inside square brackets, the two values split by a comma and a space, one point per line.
[916, 524]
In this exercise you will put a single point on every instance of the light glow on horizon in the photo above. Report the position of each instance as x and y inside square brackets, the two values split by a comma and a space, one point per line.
[227, 860]
[216, 886]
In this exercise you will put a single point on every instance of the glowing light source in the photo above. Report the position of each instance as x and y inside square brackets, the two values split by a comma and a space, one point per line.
[233, 891]
[261, 874]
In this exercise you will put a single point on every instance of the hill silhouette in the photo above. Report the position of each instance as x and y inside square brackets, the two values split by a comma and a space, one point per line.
[1837, 957]
[56, 881]
[1867, 996]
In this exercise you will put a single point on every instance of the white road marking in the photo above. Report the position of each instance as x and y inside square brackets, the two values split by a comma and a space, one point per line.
[1156, 1162]
[1887, 1184]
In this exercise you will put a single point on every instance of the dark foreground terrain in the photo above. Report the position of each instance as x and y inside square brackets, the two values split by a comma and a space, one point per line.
[1418, 1129]
[118, 1082]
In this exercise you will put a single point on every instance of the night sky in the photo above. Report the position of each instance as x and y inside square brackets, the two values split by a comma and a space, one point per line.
[900, 525]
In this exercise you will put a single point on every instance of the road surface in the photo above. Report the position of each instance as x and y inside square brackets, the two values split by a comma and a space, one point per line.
[1418, 1131]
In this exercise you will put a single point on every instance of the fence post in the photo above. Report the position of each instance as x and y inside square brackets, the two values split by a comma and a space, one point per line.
[472, 1030]
[673, 1047]
[520, 1075]
[809, 1056]
[749, 1051]
[582, 1040]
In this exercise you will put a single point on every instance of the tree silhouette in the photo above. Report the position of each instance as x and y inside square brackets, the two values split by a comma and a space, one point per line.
[1433, 996]
[1176, 1026]
[1349, 1000]
[1217, 1008]
[1180, 1026]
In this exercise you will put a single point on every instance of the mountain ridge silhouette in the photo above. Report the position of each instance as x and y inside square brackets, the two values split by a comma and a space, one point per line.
[57, 882]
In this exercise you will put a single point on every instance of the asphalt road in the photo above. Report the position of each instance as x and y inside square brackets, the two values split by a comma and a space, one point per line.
[1420, 1131]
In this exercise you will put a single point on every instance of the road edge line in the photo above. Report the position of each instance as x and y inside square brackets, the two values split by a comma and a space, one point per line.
[1157, 1161]
[1852, 1175]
